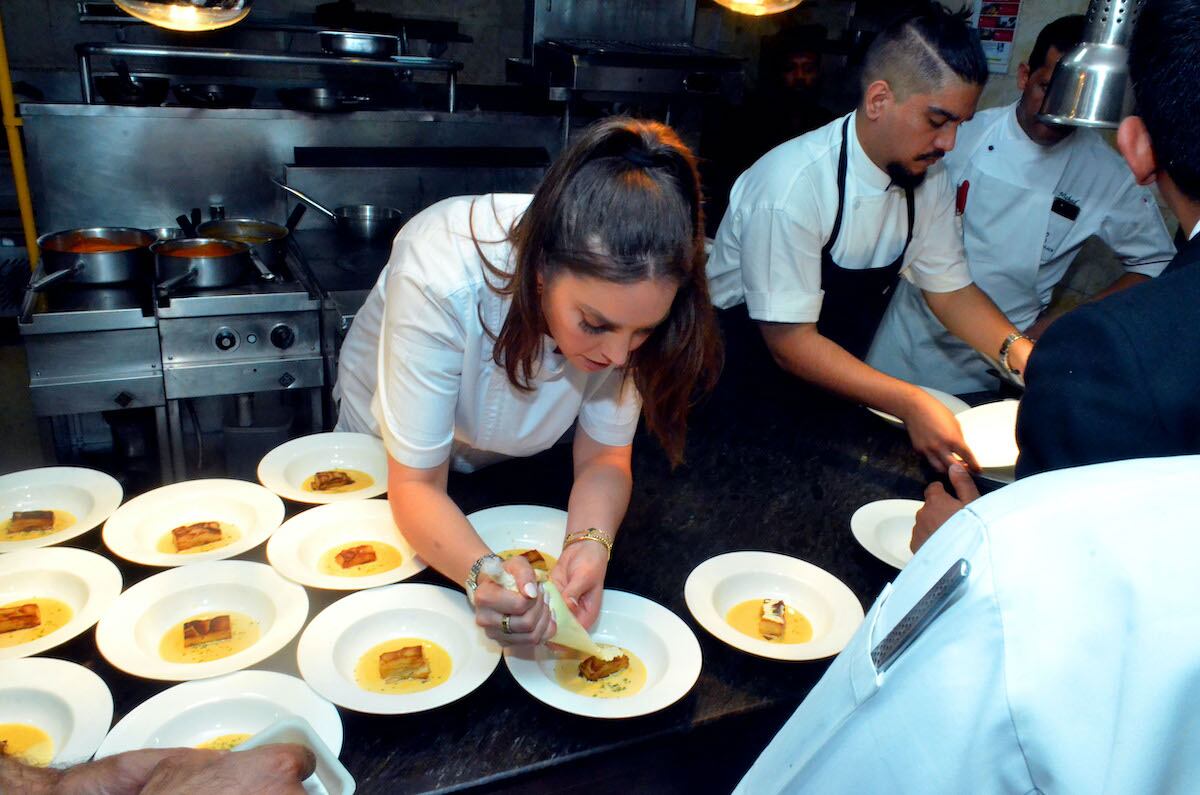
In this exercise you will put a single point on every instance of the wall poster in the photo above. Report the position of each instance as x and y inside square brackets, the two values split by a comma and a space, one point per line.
[997, 24]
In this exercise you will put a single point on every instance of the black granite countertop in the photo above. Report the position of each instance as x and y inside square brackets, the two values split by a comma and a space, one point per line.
[771, 465]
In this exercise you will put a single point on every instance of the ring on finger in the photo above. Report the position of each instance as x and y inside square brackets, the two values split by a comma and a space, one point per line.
[504, 627]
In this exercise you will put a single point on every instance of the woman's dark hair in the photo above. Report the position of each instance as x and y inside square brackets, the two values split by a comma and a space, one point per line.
[622, 204]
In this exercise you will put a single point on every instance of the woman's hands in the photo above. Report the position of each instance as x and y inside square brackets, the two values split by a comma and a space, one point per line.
[529, 619]
[935, 432]
[579, 576]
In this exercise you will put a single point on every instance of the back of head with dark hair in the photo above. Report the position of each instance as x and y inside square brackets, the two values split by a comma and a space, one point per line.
[1063, 34]
[621, 204]
[920, 51]
[1164, 62]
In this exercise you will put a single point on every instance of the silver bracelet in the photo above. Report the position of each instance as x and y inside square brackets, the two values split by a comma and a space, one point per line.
[1006, 348]
[472, 581]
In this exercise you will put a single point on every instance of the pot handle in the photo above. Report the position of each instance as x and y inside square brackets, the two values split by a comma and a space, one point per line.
[167, 285]
[185, 223]
[57, 276]
[304, 198]
[294, 219]
[263, 270]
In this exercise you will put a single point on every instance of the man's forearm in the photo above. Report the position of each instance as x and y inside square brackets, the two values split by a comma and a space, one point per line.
[972, 317]
[17, 777]
[1124, 282]
[804, 352]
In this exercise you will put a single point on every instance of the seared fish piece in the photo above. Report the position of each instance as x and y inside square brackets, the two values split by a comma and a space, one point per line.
[406, 663]
[200, 631]
[536, 560]
[331, 479]
[19, 617]
[356, 556]
[31, 521]
[196, 534]
[773, 620]
[594, 668]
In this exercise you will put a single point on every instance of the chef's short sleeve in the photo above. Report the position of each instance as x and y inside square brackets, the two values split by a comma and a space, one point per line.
[1134, 229]
[781, 259]
[610, 411]
[937, 259]
[420, 369]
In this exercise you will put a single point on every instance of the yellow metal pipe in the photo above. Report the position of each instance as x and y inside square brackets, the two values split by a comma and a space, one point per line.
[12, 124]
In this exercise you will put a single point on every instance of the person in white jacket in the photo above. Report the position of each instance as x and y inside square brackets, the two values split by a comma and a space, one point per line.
[1068, 663]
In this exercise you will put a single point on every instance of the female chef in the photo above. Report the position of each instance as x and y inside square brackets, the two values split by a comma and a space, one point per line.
[501, 321]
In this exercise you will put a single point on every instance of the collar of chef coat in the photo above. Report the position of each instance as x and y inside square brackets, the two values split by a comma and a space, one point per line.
[860, 165]
[553, 365]
[1023, 161]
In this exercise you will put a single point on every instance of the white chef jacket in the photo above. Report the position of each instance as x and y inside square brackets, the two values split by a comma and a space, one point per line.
[1019, 250]
[417, 369]
[781, 212]
[1068, 664]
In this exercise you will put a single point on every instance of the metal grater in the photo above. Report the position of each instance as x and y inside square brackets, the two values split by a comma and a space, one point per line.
[921, 615]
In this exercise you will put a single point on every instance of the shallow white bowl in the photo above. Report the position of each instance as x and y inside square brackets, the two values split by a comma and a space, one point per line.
[649, 630]
[89, 496]
[951, 402]
[990, 431]
[130, 632]
[134, 531]
[884, 528]
[521, 527]
[86, 582]
[336, 639]
[245, 702]
[284, 469]
[297, 546]
[65, 700]
[719, 583]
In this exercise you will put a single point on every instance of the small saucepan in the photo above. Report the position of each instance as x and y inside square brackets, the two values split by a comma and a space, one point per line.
[214, 95]
[359, 45]
[97, 255]
[205, 263]
[266, 239]
[369, 223]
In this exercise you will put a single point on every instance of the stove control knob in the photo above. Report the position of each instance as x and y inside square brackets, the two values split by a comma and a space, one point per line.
[283, 337]
[226, 339]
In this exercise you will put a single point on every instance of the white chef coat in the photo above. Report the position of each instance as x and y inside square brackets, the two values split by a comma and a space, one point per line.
[781, 212]
[1068, 664]
[417, 369]
[1019, 250]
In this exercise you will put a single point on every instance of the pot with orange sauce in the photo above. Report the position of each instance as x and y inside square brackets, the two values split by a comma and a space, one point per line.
[202, 263]
[97, 255]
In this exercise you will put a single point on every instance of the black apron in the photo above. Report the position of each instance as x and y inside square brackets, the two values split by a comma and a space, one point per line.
[855, 299]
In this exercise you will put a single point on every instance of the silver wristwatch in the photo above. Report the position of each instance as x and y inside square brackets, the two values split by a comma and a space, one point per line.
[472, 581]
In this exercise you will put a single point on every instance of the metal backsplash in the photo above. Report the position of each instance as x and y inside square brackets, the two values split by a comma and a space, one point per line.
[609, 20]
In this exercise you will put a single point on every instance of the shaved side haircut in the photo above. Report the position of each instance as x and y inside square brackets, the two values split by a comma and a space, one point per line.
[920, 52]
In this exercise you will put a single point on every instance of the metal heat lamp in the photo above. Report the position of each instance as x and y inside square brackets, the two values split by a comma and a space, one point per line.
[1089, 86]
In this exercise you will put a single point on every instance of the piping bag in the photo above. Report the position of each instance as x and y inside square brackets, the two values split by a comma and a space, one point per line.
[571, 633]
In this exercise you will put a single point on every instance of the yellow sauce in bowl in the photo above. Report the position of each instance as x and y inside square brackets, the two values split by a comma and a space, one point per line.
[387, 557]
[53, 613]
[226, 742]
[244, 631]
[26, 743]
[619, 685]
[62, 520]
[744, 618]
[361, 480]
[366, 673]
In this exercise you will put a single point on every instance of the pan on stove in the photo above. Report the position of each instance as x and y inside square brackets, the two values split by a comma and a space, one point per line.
[95, 255]
[205, 263]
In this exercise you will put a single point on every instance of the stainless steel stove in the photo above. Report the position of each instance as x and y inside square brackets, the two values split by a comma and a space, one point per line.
[255, 337]
[94, 349]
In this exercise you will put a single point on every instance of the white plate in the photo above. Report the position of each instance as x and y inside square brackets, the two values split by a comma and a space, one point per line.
[336, 639]
[884, 528]
[284, 469]
[945, 398]
[131, 631]
[137, 527]
[297, 546]
[990, 431]
[86, 582]
[719, 583]
[245, 702]
[65, 700]
[521, 527]
[89, 496]
[649, 630]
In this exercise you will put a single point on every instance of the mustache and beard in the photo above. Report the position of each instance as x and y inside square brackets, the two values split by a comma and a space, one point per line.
[909, 180]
